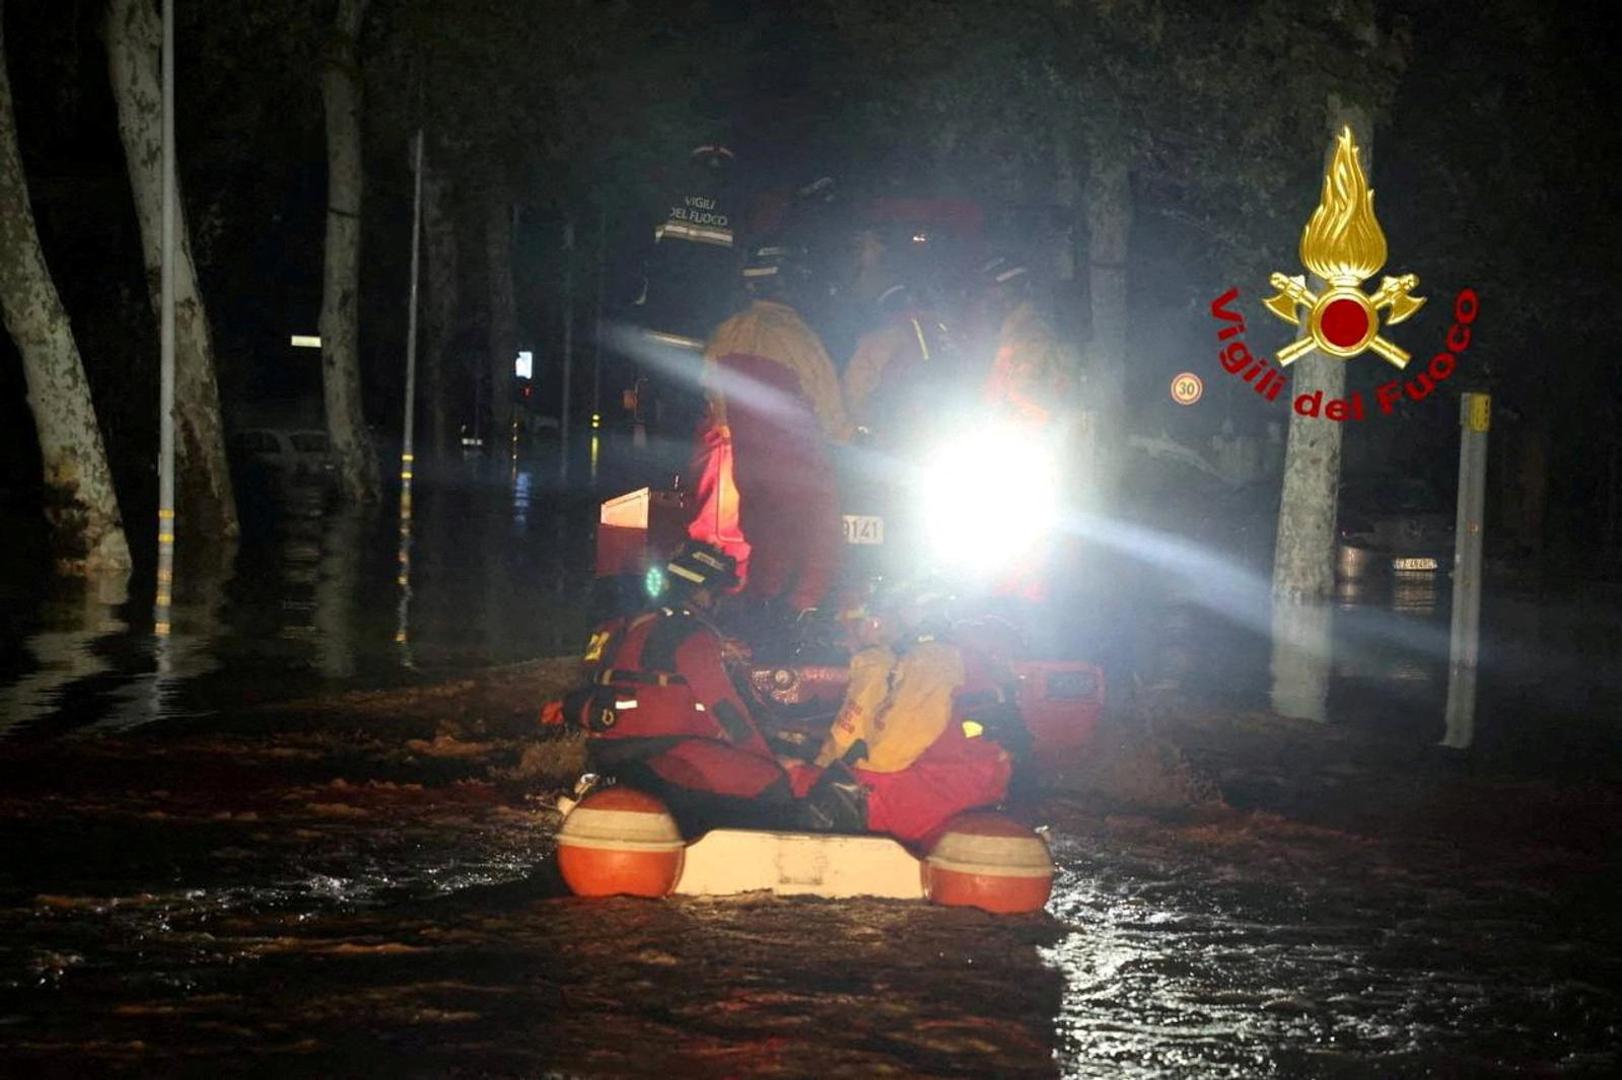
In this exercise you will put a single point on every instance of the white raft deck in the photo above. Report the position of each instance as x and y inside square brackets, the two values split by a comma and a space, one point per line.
[725, 862]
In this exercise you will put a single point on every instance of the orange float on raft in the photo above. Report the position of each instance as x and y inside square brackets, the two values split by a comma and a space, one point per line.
[991, 862]
[620, 842]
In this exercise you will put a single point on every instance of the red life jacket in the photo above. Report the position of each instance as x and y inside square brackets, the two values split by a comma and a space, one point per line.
[662, 676]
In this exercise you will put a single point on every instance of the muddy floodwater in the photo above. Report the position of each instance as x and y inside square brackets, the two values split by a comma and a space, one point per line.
[361, 886]
[312, 835]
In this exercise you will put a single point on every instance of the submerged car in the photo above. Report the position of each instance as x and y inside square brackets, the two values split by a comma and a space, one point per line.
[1401, 524]
[288, 452]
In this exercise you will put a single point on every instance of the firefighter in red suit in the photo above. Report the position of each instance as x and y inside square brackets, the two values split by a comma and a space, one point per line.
[1032, 376]
[663, 715]
[926, 731]
[775, 405]
[1032, 385]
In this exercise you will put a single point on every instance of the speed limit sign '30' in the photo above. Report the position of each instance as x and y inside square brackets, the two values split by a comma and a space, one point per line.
[1186, 388]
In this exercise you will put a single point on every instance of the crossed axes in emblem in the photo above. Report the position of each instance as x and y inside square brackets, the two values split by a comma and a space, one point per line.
[1393, 293]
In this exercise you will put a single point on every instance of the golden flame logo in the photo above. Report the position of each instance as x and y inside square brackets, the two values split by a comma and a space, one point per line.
[1343, 243]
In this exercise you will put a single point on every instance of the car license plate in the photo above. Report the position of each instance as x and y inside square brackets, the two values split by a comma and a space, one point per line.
[864, 529]
[1413, 564]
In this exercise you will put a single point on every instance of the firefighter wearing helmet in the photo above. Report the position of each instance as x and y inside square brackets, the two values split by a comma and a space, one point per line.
[774, 406]
[900, 352]
[690, 276]
[1032, 377]
[663, 715]
[1032, 386]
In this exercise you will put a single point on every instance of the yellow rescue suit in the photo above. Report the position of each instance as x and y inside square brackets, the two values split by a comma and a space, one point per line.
[776, 333]
[869, 685]
[922, 766]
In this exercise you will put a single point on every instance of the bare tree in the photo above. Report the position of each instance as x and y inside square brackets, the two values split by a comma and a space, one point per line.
[134, 43]
[87, 531]
[1109, 228]
[1304, 557]
[1304, 554]
[340, 286]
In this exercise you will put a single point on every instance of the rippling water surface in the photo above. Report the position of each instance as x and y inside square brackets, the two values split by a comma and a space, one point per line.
[365, 888]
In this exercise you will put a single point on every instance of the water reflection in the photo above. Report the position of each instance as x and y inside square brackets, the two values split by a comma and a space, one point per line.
[332, 604]
[488, 570]
[62, 648]
[1283, 953]
[496, 564]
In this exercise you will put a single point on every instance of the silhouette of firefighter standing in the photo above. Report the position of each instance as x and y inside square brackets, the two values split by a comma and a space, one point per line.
[774, 406]
[892, 380]
[1031, 378]
[691, 269]
[1031, 389]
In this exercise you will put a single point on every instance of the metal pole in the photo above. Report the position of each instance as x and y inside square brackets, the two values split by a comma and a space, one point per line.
[1475, 417]
[597, 328]
[568, 349]
[406, 455]
[407, 452]
[166, 342]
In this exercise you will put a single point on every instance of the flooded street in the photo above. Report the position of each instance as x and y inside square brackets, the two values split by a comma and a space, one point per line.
[367, 891]
[299, 845]
[310, 598]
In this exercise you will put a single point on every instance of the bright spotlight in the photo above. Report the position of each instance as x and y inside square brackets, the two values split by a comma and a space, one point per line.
[989, 495]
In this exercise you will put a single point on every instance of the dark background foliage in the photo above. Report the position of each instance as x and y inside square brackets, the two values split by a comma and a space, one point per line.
[1494, 156]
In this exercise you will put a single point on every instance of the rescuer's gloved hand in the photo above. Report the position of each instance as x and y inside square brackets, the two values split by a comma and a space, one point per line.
[836, 803]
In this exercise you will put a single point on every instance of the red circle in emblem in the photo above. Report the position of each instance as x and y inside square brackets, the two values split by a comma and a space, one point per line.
[1344, 323]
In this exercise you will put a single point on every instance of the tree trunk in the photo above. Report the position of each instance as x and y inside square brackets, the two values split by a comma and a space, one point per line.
[443, 278]
[1066, 196]
[134, 44]
[498, 237]
[340, 286]
[87, 531]
[1109, 225]
[1304, 555]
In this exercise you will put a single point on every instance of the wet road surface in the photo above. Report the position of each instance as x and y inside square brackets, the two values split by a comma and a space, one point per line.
[362, 887]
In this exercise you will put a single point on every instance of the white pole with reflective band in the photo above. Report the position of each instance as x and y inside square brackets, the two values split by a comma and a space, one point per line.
[407, 445]
[166, 343]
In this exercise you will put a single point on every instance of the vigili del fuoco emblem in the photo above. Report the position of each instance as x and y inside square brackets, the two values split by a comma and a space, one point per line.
[1344, 246]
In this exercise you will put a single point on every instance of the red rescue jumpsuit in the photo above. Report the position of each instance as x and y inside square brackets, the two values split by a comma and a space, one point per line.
[774, 404]
[669, 718]
[1033, 383]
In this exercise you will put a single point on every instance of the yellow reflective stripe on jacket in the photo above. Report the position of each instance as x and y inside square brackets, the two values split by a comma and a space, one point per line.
[594, 648]
[677, 230]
